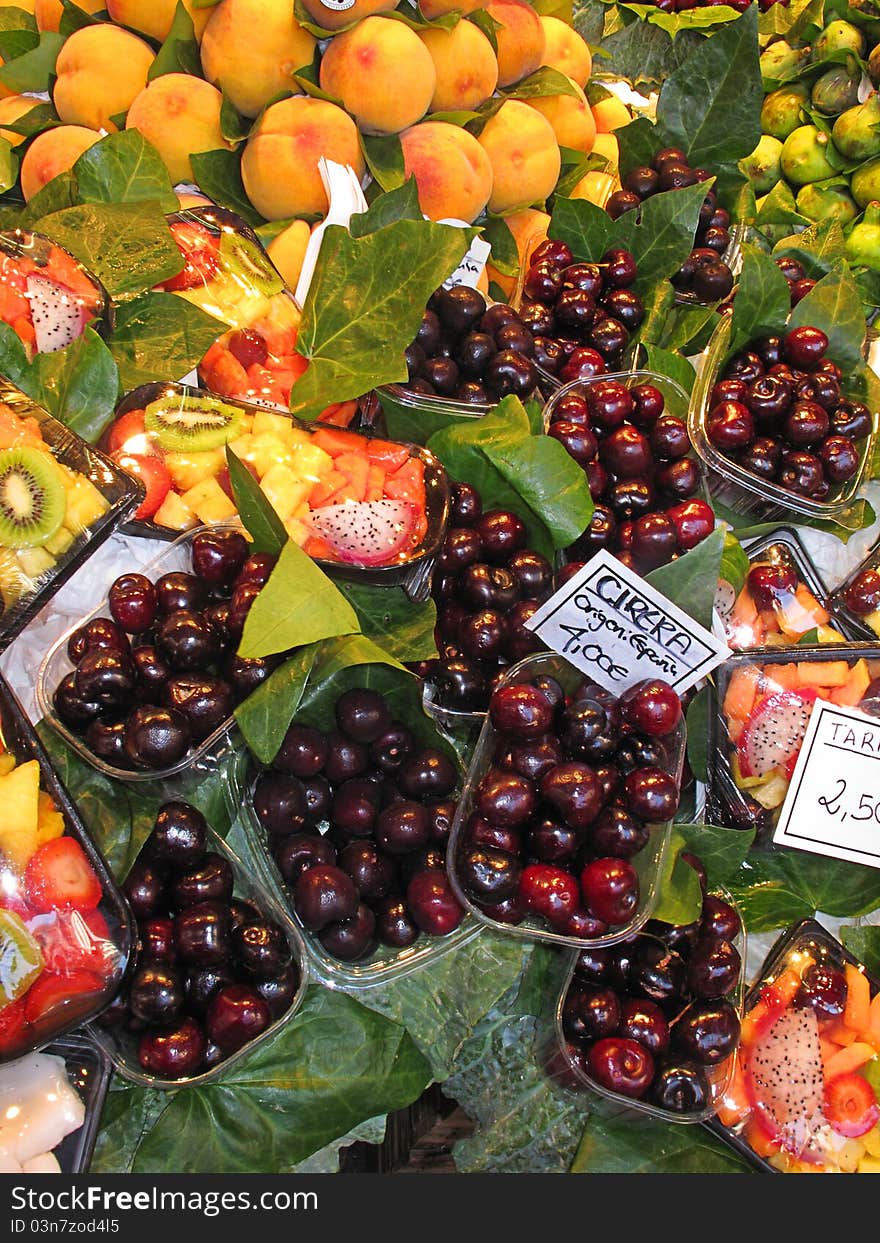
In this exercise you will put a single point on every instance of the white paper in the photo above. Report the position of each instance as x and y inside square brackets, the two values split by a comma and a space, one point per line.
[472, 265]
[833, 802]
[616, 628]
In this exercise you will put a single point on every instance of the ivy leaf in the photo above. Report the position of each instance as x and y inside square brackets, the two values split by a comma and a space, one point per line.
[835, 306]
[403, 628]
[763, 299]
[698, 733]
[79, 385]
[722, 851]
[583, 226]
[399, 204]
[159, 335]
[614, 1146]
[364, 306]
[673, 365]
[384, 156]
[218, 174]
[863, 940]
[690, 581]
[257, 515]
[33, 70]
[266, 714]
[820, 248]
[124, 168]
[505, 256]
[775, 889]
[679, 886]
[734, 562]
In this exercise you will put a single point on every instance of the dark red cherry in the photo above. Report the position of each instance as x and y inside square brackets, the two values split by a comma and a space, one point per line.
[801, 472]
[173, 1053]
[652, 707]
[610, 888]
[590, 1013]
[643, 1021]
[730, 427]
[432, 904]
[804, 347]
[621, 1066]
[839, 458]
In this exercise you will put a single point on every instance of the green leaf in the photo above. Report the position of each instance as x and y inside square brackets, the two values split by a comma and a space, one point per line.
[384, 156]
[711, 104]
[690, 581]
[8, 166]
[773, 890]
[257, 515]
[403, 628]
[734, 562]
[863, 941]
[722, 851]
[687, 329]
[62, 191]
[584, 227]
[835, 305]
[158, 335]
[218, 174]
[698, 733]
[543, 82]
[298, 605]
[75, 18]
[544, 478]
[128, 246]
[484, 21]
[124, 168]
[639, 52]
[33, 70]
[180, 51]
[334, 1065]
[679, 885]
[820, 248]
[364, 306]
[41, 117]
[661, 234]
[16, 40]
[614, 1146]
[763, 299]
[505, 256]
[266, 714]
[399, 204]
[778, 207]
[667, 363]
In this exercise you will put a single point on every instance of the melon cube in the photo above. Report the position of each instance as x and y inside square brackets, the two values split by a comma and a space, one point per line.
[284, 489]
[822, 673]
[188, 469]
[873, 620]
[50, 822]
[297, 530]
[60, 541]
[242, 447]
[871, 1140]
[175, 514]
[209, 502]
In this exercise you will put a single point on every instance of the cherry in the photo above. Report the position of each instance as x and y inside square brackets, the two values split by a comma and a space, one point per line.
[652, 794]
[681, 1088]
[839, 458]
[657, 971]
[465, 504]
[620, 269]
[669, 437]
[279, 991]
[236, 1015]
[643, 1021]
[179, 591]
[611, 404]
[551, 842]
[626, 453]
[72, 710]
[324, 894]
[556, 252]
[573, 791]
[262, 948]
[98, 634]
[218, 556]
[502, 533]
[505, 798]
[156, 940]
[432, 904]
[801, 472]
[762, 457]
[345, 758]
[590, 1013]
[210, 880]
[648, 404]
[583, 363]
[521, 711]
[852, 419]
[652, 707]
[428, 774]
[803, 347]
[707, 1031]
[302, 753]
[173, 1053]
[179, 836]
[362, 714]
[730, 389]
[730, 427]
[769, 584]
[655, 540]
[133, 603]
[862, 595]
[104, 676]
[617, 832]
[579, 442]
[533, 573]
[824, 989]
[280, 803]
[391, 748]
[490, 875]
[621, 1066]
[187, 640]
[714, 968]
[156, 737]
[403, 827]
[549, 891]
[202, 933]
[299, 851]
[611, 889]
[806, 424]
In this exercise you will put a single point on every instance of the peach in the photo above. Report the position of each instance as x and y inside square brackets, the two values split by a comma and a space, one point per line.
[335, 19]
[570, 117]
[180, 115]
[288, 250]
[52, 152]
[610, 114]
[11, 109]
[432, 9]
[529, 229]
[154, 17]
[250, 48]
[382, 73]
[27, 5]
[524, 155]
[607, 146]
[452, 171]
[467, 71]
[99, 71]
[48, 12]
[565, 50]
[520, 39]
[280, 162]
[596, 187]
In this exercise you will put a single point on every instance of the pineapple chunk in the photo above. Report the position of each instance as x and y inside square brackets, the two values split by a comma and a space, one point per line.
[871, 1140]
[311, 462]
[868, 1165]
[284, 489]
[268, 424]
[19, 798]
[208, 500]
[772, 793]
[12, 578]
[242, 447]
[175, 514]
[298, 531]
[35, 562]
[60, 541]
[7, 763]
[188, 469]
[50, 822]
[873, 620]
[85, 505]
[267, 451]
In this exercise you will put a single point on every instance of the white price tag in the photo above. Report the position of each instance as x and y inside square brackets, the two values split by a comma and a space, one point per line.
[615, 627]
[471, 267]
[833, 802]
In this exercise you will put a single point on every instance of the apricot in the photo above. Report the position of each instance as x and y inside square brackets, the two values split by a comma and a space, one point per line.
[382, 73]
[335, 19]
[465, 64]
[154, 17]
[520, 38]
[565, 50]
[452, 171]
[607, 146]
[48, 12]
[529, 229]
[250, 48]
[570, 117]
[288, 250]
[432, 9]
[180, 115]
[99, 71]
[11, 109]
[280, 162]
[524, 155]
[610, 114]
[52, 152]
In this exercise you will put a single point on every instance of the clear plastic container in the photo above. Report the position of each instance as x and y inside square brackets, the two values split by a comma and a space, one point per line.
[121, 1045]
[738, 488]
[65, 929]
[862, 622]
[792, 613]
[296, 463]
[747, 1121]
[761, 703]
[385, 964]
[47, 297]
[86, 496]
[566, 1070]
[57, 664]
[648, 863]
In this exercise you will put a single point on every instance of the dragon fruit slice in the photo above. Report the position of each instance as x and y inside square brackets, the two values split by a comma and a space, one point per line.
[366, 532]
[773, 734]
[785, 1082]
[725, 599]
[59, 315]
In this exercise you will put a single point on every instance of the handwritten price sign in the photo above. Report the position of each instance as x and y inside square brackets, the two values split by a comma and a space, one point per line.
[833, 802]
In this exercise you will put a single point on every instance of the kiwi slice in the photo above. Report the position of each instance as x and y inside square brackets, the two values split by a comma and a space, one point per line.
[32, 498]
[250, 262]
[197, 424]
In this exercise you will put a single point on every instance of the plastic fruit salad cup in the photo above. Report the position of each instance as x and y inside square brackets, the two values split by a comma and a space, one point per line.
[47, 297]
[762, 708]
[805, 1095]
[65, 934]
[858, 597]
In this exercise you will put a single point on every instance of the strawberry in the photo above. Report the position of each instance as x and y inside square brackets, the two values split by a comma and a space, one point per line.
[51, 991]
[70, 941]
[59, 877]
[850, 1105]
[201, 252]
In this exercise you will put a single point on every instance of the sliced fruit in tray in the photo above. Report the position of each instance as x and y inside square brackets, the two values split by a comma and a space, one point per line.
[46, 296]
[774, 608]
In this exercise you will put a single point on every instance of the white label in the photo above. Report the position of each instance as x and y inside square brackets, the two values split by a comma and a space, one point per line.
[615, 627]
[338, 6]
[833, 802]
[471, 267]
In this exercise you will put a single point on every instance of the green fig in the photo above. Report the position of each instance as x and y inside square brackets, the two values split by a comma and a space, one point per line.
[762, 167]
[836, 90]
[826, 203]
[783, 110]
[806, 156]
[874, 65]
[856, 132]
[780, 61]
[863, 243]
[865, 183]
[838, 36]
